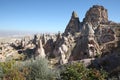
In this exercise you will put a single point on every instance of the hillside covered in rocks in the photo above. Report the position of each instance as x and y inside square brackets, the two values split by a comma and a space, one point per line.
[95, 41]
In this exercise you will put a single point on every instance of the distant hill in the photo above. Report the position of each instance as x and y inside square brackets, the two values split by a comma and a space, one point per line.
[14, 33]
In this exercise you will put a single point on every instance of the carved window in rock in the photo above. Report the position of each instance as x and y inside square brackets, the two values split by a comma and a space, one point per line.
[0, 48]
[91, 42]
[85, 53]
[92, 48]
[110, 31]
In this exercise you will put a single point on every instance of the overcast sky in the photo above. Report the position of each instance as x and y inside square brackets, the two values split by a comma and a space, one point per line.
[48, 15]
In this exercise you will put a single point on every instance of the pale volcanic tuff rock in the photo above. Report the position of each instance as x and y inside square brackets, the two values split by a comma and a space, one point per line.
[73, 25]
[96, 15]
[86, 45]
[39, 50]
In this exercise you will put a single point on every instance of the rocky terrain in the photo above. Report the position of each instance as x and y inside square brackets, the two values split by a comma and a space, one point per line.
[95, 41]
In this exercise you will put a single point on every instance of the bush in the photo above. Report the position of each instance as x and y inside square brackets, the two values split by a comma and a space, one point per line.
[40, 70]
[8, 71]
[35, 70]
[78, 71]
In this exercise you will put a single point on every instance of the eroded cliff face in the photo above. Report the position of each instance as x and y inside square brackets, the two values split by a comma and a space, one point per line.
[97, 35]
[96, 15]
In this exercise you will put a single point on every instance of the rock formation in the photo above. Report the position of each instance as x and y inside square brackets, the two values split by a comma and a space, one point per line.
[96, 15]
[86, 45]
[73, 25]
[96, 40]
[39, 50]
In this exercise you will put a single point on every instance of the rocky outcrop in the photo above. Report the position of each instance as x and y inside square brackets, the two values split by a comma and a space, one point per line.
[96, 15]
[96, 33]
[39, 50]
[73, 25]
[86, 45]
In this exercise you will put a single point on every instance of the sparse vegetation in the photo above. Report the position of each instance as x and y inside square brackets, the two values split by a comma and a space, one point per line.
[40, 70]
[78, 71]
[8, 71]
[35, 70]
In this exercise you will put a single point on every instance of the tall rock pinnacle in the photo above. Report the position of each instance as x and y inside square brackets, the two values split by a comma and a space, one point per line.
[96, 14]
[73, 25]
[74, 14]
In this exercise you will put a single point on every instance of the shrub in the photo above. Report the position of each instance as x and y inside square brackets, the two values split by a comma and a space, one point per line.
[77, 71]
[40, 70]
[35, 70]
[8, 71]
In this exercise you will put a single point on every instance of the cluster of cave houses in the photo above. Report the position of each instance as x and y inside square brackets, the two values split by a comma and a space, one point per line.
[79, 41]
